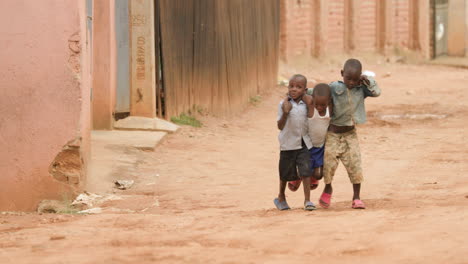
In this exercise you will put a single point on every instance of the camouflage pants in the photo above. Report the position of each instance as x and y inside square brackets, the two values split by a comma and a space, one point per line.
[344, 147]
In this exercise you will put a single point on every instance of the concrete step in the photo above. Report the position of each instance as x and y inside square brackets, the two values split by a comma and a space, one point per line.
[144, 140]
[145, 123]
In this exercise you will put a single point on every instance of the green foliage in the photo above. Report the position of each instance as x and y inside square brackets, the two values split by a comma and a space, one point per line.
[255, 100]
[188, 120]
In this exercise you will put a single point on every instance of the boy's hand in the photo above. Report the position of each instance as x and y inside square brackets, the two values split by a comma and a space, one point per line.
[307, 99]
[364, 80]
[287, 106]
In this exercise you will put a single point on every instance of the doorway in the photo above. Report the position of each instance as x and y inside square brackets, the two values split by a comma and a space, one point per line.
[441, 27]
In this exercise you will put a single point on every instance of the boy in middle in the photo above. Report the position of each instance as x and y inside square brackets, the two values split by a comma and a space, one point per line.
[319, 106]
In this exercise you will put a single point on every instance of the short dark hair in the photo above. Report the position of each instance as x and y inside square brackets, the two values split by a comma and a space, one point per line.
[321, 89]
[352, 65]
[299, 76]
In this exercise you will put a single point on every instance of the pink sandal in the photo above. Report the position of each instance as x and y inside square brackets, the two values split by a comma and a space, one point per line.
[358, 204]
[294, 185]
[325, 200]
[313, 184]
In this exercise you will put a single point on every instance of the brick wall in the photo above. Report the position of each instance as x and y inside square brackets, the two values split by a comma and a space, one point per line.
[334, 38]
[296, 28]
[322, 27]
[365, 26]
[400, 23]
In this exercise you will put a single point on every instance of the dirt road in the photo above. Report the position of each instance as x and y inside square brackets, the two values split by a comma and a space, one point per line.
[205, 195]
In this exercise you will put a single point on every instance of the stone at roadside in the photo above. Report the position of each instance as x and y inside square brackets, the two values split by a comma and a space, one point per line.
[85, 200]
[124, 184]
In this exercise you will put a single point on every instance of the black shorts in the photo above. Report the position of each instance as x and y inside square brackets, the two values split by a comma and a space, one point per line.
[294, 161]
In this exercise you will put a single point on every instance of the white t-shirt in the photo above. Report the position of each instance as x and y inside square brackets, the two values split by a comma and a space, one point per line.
[318, 127]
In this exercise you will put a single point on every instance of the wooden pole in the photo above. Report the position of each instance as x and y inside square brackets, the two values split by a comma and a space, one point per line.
[142, 58]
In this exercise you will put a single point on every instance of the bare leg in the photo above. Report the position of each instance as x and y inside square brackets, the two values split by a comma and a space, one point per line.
[282, 189]
[357, 191]
[328, 188]
[318, 173]
[306, 184]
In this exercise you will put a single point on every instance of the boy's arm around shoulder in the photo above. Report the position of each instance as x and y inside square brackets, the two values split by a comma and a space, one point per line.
[371, 89]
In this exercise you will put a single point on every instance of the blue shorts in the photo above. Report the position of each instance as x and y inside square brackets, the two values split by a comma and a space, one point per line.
[316, 156]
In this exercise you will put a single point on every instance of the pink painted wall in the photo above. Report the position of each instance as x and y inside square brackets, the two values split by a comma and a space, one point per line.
[44, 102]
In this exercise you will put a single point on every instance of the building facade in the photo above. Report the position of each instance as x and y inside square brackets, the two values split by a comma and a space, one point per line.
[71, 66]
[44, 102]
[323, 27]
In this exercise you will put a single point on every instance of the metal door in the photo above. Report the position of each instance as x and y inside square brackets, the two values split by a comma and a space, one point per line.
[441, 27]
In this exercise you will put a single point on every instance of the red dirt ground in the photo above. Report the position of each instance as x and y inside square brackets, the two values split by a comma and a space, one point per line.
[212, 201]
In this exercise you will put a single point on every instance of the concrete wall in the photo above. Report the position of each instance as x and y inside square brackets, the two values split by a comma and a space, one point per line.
[466, 28]
[456, 30]
[425, 29]
[45, 118]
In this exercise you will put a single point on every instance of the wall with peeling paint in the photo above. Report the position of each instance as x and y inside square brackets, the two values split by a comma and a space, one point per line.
[44, 102]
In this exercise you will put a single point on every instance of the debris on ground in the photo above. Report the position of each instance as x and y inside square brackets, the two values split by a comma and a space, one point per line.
[283, 82]
[85, 200]
[88, 200]
[387, 74]
[96, 210]
[119, 210]
[57, 237]
[156, 203]
[413, 116]
[369, 73]
[124, 184]
[51, 207]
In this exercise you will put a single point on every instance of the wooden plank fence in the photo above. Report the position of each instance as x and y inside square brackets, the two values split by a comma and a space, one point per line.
[217, 54]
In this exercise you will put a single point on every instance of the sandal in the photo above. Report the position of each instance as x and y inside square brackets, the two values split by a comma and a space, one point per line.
[309, 206]
[358, 204]
[325, 200]
[281, 205]
[294, 185]
[313, 184]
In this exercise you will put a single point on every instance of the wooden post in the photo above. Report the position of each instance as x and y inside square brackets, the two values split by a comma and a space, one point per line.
[381, 27]
[349, 26]
[103, 59]
[142, 59]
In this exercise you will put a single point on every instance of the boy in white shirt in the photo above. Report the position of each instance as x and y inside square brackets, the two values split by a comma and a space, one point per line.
[294, 142]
